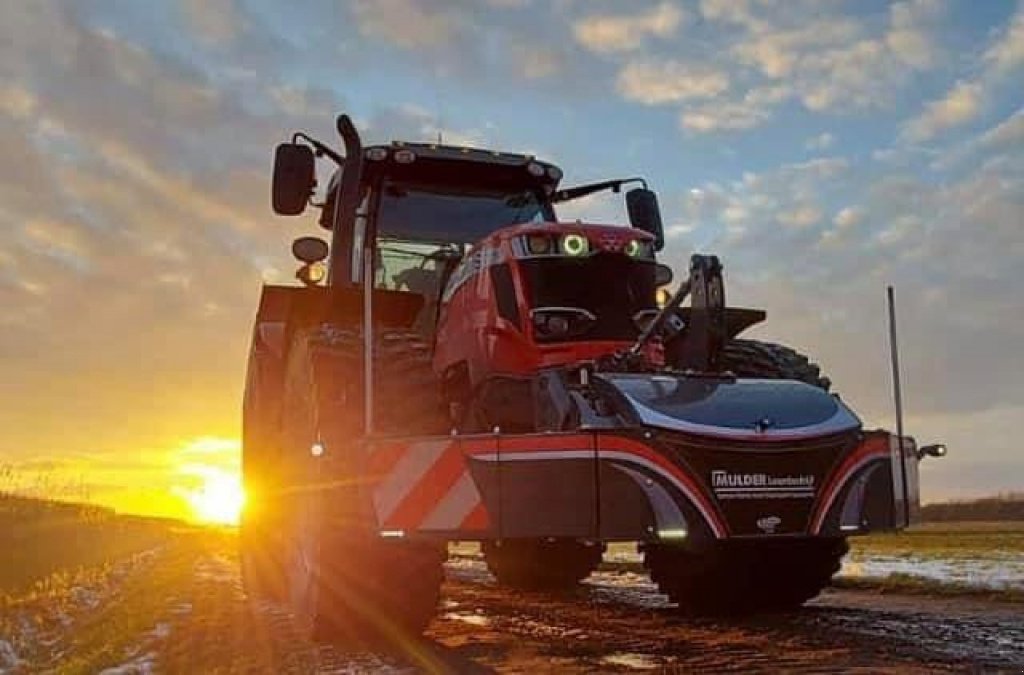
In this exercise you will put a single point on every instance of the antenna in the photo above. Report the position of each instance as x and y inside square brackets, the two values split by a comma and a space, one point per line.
[901, 453]
[439, 140]
[895, 355]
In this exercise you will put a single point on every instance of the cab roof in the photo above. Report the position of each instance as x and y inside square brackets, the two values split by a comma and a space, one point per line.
[455, 165]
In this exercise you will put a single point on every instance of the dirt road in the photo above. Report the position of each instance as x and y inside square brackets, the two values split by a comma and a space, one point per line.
[181, 609]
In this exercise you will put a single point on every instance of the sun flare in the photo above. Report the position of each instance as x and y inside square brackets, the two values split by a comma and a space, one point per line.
[219, 500]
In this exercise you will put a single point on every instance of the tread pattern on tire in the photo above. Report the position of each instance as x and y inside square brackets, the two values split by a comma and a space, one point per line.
[755, 358]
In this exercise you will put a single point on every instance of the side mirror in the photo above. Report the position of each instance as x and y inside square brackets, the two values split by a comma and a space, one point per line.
[644, 214]
[662, 275]
[936, 450]
[310, 249]
[294, 178]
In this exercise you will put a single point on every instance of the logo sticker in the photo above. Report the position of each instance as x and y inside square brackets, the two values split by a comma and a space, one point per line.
[767, 524]
[761, 486]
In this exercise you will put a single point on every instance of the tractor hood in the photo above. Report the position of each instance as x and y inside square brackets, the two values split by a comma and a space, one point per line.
[739, 409]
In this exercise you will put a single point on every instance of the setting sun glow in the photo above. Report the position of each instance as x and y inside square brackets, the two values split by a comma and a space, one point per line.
[219, 500]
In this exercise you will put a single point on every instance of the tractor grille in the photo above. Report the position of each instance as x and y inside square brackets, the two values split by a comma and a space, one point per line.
[612, 287]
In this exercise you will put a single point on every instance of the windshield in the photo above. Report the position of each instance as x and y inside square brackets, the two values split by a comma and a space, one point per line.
[415, 267]
[438, 215]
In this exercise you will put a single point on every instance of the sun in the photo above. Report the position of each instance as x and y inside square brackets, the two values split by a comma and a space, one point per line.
[219, 500]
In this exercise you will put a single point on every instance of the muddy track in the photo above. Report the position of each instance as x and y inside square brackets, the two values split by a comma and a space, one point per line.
[183, 610]
[618, 622]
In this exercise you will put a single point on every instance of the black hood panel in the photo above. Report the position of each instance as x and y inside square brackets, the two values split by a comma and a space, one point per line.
[735, 408]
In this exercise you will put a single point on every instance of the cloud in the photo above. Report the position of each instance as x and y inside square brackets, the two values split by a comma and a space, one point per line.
[813, 54]
[800, 217]
[910, 34]
[214, 21]
[654, 83]
[1007, 52]
[822, 141]
[960, 105]
[968, 98]
[723, 116]
[410, 24]
[609, 33]
[1005, 135]
[847, 217]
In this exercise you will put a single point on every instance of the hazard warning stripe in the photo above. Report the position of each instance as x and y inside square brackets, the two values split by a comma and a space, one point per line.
[428, 491]
[478, 519]
[407, 472]
[874, 448]
[453, 509]
[426, 485]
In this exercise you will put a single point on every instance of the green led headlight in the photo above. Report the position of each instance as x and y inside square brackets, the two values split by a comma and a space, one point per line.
[575, 245]
[633, 248]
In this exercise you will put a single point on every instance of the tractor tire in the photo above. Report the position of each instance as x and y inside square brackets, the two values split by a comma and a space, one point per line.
[261, 562]
[346, 583]
[757, 575]
[744, 577]
[754, 358]
[541, 565]
[369, 592]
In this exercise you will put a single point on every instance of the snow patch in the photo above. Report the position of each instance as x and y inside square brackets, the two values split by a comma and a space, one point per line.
[995, 574]
[182, 609]
[632, 661]
[472, 618]
[85, 598]
[142, 665]
[8, 657]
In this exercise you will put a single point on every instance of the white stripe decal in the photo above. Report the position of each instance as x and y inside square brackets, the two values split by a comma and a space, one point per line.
[686, 490]
[819, 519]
[406, 475]
[455, 506]
[614, 455]
[666, 512]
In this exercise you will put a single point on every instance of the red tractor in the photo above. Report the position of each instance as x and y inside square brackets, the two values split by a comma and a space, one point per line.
[459, 365]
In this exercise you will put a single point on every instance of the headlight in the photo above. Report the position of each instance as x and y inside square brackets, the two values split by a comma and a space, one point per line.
[575, 245]
[538, 244]
[636, 248]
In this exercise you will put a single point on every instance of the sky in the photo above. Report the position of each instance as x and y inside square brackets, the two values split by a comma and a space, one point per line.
[822, 149]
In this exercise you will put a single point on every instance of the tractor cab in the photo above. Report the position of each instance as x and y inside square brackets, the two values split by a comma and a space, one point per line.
[415, 212]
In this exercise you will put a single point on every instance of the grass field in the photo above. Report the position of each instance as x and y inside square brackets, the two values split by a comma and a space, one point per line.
[81, 587]
[39, 538]
[947, 540]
